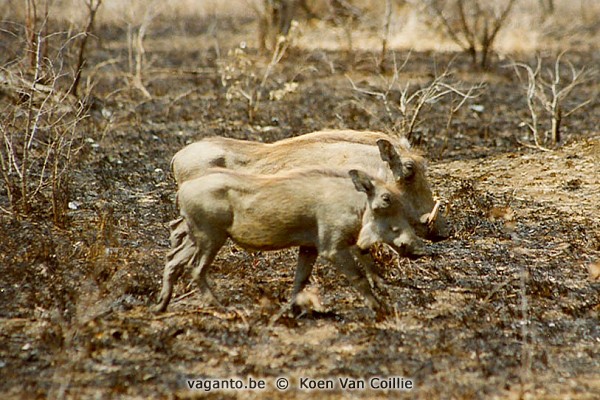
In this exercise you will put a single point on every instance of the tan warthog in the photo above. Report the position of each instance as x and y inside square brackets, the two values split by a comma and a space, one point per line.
[325, 212]
[345, 149]
[194, 159]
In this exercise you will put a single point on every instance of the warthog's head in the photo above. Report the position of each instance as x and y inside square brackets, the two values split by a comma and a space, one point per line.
[385, 218]
[422, 210]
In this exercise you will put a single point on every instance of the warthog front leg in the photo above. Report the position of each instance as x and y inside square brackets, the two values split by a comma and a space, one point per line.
[306, 260]
[366, 260]
[344, 261]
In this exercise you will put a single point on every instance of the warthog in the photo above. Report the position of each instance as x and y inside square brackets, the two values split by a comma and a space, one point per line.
[194, 159]
[323, 212]
[330, 148]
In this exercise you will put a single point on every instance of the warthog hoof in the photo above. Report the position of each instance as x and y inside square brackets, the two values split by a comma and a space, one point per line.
[414, 252]
[160, 307]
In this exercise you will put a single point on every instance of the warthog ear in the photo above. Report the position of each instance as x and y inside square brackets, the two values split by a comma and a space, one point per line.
[401, 170]
[362, 182]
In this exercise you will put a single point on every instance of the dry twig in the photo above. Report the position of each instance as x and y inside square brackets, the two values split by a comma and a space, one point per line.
[472, 24]
[548, 94]
[92, 7]
[414, 102]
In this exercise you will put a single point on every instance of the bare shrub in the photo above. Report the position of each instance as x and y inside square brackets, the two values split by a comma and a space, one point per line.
[39, 140]
[274, 20]
[92, 6]
[567, 24]
[406, 113]
[245, 80]
[137, 27]
[345, 15]
[33, 30]
[39, 126]
[387, 19]
[547, 92]
[471, 24]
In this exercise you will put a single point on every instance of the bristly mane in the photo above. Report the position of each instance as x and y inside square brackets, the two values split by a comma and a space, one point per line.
[308, 172]
[347, 135]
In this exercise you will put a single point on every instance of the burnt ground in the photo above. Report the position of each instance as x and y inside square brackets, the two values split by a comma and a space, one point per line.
[505, 308]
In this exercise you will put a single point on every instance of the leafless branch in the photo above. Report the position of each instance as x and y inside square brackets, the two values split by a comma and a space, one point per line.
[413, 102]
[39, 138]
[92, 7]
[548, 94]
[243, 79]
[471, 24]
[387, 18]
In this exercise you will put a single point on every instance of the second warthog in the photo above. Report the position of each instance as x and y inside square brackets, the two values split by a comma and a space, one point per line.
[347, 149]
[328, 213]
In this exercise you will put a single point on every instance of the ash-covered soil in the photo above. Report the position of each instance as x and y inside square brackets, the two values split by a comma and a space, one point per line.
[507, 307]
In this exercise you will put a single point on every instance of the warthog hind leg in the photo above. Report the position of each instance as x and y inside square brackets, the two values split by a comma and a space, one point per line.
[208, 249]
[177, 259]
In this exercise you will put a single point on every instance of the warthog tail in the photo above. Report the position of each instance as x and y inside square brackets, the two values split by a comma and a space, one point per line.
[183, 248]
[179, 231]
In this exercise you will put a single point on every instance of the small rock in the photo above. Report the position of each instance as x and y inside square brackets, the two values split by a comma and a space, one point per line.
[478, 108]
[573, 184]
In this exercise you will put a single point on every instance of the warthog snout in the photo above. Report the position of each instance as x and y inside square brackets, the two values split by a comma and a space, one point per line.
[420, 208]
[403, 239]
[387, 220]
[437, 228]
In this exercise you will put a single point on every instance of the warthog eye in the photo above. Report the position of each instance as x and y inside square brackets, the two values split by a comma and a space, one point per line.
[409, 168]
[386, 198]
[395, 229]
[384, 201]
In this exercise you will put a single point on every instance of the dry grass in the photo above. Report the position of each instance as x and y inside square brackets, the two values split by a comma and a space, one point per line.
[116, 11]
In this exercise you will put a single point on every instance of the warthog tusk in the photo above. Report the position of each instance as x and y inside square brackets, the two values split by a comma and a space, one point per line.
[434, 213]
